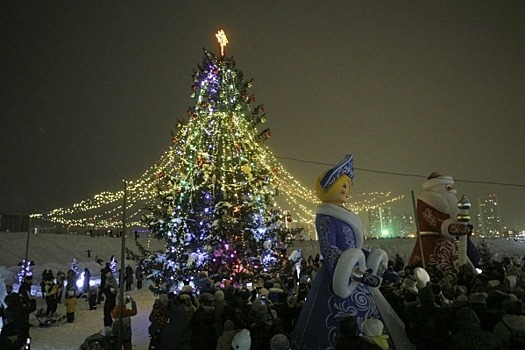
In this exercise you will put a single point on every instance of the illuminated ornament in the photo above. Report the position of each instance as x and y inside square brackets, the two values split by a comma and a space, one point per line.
[203, 104]
[223, 40]
[174, 139]
[194, 87]
[261, 109]
[160, 175]
[192, 95]
[188, 237]
[195, 116]
[252, 99]
[237, 210]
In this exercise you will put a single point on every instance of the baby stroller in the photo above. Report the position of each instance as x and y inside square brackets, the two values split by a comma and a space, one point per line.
[47, 321]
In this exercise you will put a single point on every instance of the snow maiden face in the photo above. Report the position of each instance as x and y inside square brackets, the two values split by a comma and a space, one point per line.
[338, 193]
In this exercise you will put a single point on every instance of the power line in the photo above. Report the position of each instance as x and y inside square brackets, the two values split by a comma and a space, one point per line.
[405, 174]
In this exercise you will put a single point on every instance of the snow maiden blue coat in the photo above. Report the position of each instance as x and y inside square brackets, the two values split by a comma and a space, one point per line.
[339, 289]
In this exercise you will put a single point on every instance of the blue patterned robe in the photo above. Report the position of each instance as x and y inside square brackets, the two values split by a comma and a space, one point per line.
[318, 324]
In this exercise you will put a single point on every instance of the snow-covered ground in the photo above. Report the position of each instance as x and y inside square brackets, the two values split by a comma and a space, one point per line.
[56, 252]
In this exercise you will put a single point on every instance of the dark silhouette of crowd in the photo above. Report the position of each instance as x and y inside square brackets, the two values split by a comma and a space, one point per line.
[467, 309]
[455, 310]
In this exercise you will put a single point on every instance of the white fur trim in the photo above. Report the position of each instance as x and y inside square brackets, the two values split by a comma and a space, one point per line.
[444, 228]
[344, 215]
[343, 272]
[377, 261]
[435, 200]
[437, 181]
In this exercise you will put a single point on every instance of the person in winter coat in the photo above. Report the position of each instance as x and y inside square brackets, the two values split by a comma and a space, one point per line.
[127, 313]
[427, 325]
[158, 315]
[103, 273]
[176, 334]
[372, 330]
[348, 337]
[92, 297]
[60, 280]
[469, 335]
[51, 290]
[225, 340]
[71, 305]
[110, 295]
[202, 324]
[128, 277]
[71, 280]
[87, 278]
[139, 276]
[15, 319]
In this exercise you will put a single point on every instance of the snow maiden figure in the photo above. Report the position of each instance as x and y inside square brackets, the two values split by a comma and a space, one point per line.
[346, 284]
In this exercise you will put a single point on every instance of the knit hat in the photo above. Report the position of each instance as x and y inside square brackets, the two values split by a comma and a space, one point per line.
[184, 297]
[228, 326]
[186, 289]
[372, 327]
[279, 342]
[478, 298]
[163, 299]
[242, 340]
[460, 301]
[206, 298]
[264, 291]
[219, 295]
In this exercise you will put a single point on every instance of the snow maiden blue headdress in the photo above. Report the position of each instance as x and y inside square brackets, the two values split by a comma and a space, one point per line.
[344, 167]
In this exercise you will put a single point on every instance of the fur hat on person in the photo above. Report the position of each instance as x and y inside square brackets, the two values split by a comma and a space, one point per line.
[163, 299]
[242, 340]
[219, 296]
[478, 298]
[279, 342]
[460, 301]
[410, 285]
[372, 327]
[206, 299]
[263, 291]
[186, 289]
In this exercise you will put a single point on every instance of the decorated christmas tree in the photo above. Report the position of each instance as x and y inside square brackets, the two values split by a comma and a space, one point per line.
[216, 209]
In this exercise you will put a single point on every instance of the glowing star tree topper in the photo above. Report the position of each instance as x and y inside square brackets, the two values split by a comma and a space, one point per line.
[223, 40]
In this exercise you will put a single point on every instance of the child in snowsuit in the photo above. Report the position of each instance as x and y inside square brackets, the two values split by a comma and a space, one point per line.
[92, 297]
[71, 305]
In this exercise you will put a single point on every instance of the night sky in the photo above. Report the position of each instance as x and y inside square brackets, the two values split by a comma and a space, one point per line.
[90, 91]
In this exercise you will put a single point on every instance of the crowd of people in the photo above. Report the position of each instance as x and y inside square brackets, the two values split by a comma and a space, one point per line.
[459, 310]
[455, 310]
